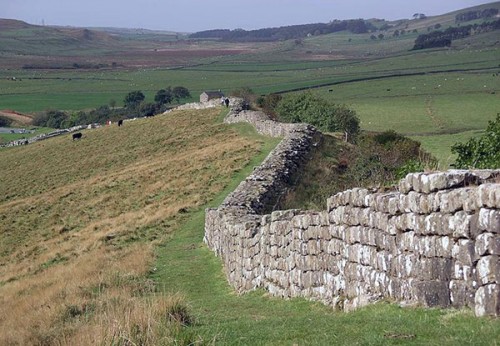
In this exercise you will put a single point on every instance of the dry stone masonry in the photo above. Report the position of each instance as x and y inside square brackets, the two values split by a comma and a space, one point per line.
[433, 242]
[43, 136]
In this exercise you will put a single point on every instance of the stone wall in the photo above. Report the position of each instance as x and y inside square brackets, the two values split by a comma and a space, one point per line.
[434, 242]
[44, 136]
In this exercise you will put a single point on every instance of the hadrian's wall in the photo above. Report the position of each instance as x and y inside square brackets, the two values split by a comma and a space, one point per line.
[435, 241]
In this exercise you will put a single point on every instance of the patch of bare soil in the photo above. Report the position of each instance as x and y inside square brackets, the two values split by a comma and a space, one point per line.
[16, 116]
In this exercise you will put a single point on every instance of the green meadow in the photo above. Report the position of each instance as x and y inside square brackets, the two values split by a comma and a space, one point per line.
[435, 97]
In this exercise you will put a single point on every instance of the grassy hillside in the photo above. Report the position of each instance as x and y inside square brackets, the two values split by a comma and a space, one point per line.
[80, 221]
[101, 243]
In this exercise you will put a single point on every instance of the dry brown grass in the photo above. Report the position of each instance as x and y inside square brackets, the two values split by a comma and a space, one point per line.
[17, 117]
[79, 221]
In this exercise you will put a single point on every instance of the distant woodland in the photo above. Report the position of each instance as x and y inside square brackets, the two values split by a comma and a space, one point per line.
[356, 26]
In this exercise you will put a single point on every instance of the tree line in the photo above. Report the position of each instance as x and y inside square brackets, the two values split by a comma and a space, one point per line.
[356, 26]
[134, 105]
[473, 15]
[444, 38]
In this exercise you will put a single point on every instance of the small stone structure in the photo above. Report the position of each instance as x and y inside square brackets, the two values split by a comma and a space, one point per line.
[434, 242]
[210, 95]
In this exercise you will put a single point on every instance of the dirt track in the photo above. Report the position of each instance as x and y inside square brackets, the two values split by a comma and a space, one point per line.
[17, 117]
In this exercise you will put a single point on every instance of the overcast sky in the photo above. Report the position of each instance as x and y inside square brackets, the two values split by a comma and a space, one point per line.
[196, 15]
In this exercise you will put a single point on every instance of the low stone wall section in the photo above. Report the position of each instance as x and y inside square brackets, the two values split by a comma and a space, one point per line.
[43, 136]
[434, 241]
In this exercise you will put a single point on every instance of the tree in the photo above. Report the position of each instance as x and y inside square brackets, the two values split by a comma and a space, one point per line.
[482, 152]
[134, 99]
[52, 118]
[148, 109]
[269, 103]
[312, 109]
[164, 96]
[347, 121]
[246, 93]
[373, 37]
[180, 92]
[381, 36]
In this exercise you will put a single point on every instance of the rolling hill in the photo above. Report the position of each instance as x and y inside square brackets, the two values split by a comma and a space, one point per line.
[80, 220]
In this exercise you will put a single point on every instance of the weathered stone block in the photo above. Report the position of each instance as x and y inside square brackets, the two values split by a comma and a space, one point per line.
[471, 201]
[406, 241]
[489, 195]
[433, 293]
[488, 244]
[449, 201]
[358, 197]
[324, 219]
[354, 253]
[394, 288]
[487, 301]
[459, 224]
[488, 270]
[426, 246]
[434, 223]
[405, 266]
[353, 235]
[430, 269]
[384, 261]
[345, 197]
[312, 232]
[404, 185]
[368, 253]
[427, 204]
[313, 247]
[444, 246]
[489, 220]
[461, 294]
[367, 236]
[337, 231]
[464, 272]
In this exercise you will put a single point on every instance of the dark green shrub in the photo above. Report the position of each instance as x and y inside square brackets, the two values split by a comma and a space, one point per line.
[482, 152]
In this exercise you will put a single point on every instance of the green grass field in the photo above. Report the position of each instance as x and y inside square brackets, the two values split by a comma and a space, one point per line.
[433, 106]
[184, 264]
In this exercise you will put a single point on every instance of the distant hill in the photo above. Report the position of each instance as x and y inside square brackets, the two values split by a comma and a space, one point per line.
[30, 46]
[481, 13]
[12, 24]
[356, 26]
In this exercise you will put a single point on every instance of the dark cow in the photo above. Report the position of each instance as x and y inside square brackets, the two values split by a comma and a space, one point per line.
[120, 122]
[77, 135]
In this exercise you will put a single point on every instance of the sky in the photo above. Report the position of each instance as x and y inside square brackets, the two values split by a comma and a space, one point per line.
[196, 15]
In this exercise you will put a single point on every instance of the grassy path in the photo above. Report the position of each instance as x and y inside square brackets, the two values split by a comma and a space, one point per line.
[184, 264]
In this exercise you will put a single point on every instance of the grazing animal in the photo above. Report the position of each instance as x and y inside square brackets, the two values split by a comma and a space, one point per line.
[120, 122]
[77, 135]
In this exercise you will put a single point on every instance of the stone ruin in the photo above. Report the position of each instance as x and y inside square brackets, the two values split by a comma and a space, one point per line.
[432, 242]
